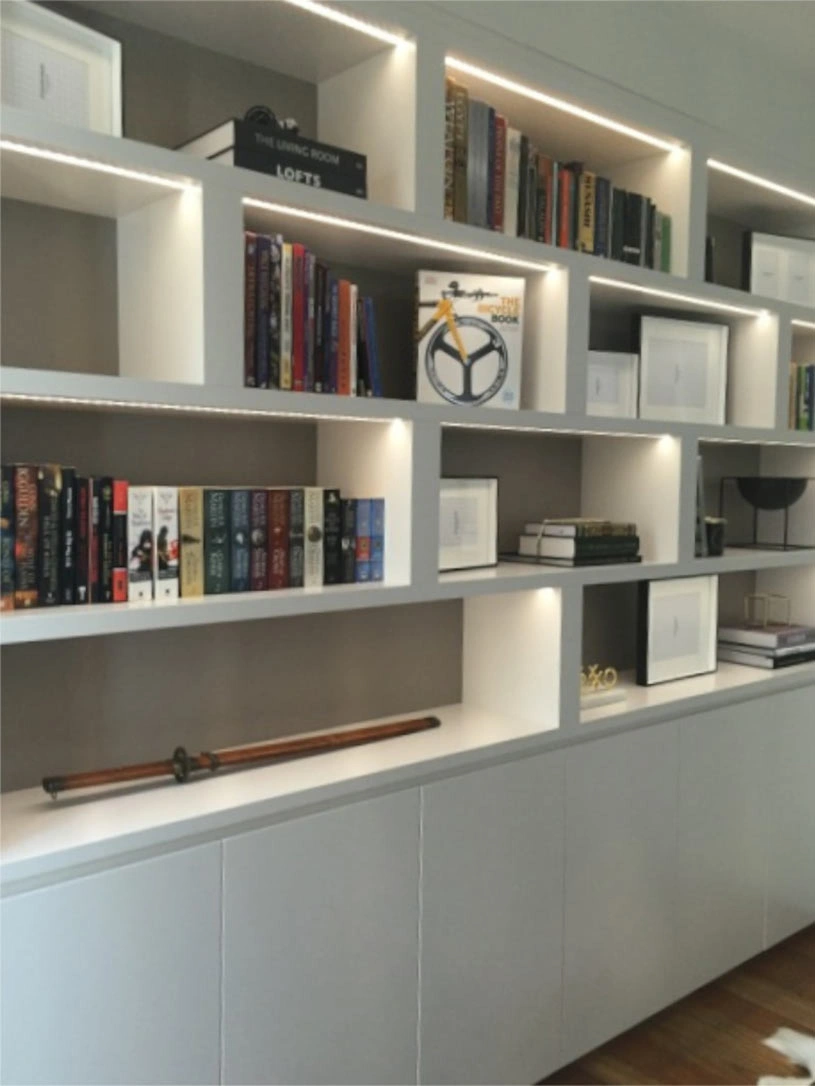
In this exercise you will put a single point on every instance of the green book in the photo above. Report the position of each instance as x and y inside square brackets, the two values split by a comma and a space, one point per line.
[665, 264]
[217, 562]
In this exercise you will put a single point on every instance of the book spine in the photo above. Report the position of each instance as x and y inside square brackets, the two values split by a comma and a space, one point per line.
[585, 546]
[511, 180]
[544, 193]
[309, 287]
[585, 237]
[296, 537]
[632, 232]
[810, 396]
[298, 318]
[217, 562]
[286, 272]
[472, 162]
[460, 153]
[489, 178]
[602, 209]
[499, 173]
[665, 263]
[67, 537]
[250, 278]
[49, 488]
[344, 339]
[263, 291]
[618, 200]
[259, 541]
[657, 254]
[320, 383]
[165, 547]
[191, 531]
[279, 542]
[305, 153]
[287, 168]
[7, 539]
[313, 536]
[353, 340]
[334, 336]
[26, 532]
[332, 537]
[84, 502]
[275, 286]
[449, 146]
[120, 589]
[140, 543]
[552, 205]
[96, 521]
[650, 232]
[532, 194]
[377, 539]
[106, 540]
[240, 524]
[372, 347]
[644, 202]
[363, 546]
[523, 159]
[348, 513]
[564, 209]
[363, 361]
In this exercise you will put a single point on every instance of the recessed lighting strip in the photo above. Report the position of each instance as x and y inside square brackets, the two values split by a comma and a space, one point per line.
[560, 104]
[810, 325]
[398, 235]
[672, 296]
[351, 22]
[92, 164]
[762, 182]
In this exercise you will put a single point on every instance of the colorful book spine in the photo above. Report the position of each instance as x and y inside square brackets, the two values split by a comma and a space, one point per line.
[449, 145]
[499, 173]
[286, 272]
[217, 564]
[460, 150]
[602, 210]
[279, 540]
[191, 532]
[353, 340]
[312, 536]
[512, 181]
[49, 492]
[140, 544]
[372, 347]
[26, 532]
[320, 382]
[165, 548]
[105, 539]
[67, 537]
[84, 504]
[96, 506]
[275, 286]
[7, 539]
[250, 279]
[490, 170]
[334, 336]
[344, 339]
[564, 238]
[332, 537]
[298, 318]
[348, 514]
[120, 505]
[586, 200]
[296, 537]
[264, 266]
[363, 547]
[377, 539]
[309, 288]
[259, 541]
[240, 523]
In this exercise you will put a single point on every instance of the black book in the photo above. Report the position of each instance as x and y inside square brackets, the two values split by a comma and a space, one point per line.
[710, 254]
[349, 540]
[275, 315]
[241, 526]
[523, 181]
[105, 538]
[84, 502]
[332, 537]
[632, 229]
[68, 537]
[7, 539]
[49, 496]
[297, 527]
[649, 233]
[617, 223]
[289, 168]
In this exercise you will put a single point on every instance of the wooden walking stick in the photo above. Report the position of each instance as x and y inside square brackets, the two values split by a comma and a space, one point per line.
[182, 764]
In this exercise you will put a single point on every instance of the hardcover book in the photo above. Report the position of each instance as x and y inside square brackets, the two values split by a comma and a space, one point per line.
[332, 537]
[140, 544]
[105, 540]
[349, 539]
[353, 359]
[264, 270]
[275, 275]
[344, 339]
[7, 540]
[298, 317]
[309, 283]
[84, 502]
[460, 152]
[49, 495]
[279, 541]
[259, 541]
[313, 536]
[377, 539]
[217, 564]
[191, 531]
[449, 145]
[93, 540]
[512, 172]
[363, 555]
[296, 537]
[120, 563]
[166, 548]
[250, 300]
[67, 537]
[586, 202]
[288, 168]
[240, 521]
[286, 272]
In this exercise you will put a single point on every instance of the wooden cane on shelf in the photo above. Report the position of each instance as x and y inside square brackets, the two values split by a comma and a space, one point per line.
[182, 764]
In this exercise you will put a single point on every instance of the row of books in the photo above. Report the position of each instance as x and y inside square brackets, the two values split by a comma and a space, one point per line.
[802, 397]
[71, 539]
[578, 541]
[305, 329]
[496, 178]
[768, 647]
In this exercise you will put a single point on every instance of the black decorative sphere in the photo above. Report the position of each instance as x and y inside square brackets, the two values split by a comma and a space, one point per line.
[771, 492]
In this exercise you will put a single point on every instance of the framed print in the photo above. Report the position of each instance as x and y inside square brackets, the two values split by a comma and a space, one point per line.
[611, 387]
[676, 634]
[57, 68]
[683, 370]
[468, 524]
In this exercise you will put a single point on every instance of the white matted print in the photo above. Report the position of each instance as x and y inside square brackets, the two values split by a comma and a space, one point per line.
[677, 629]
[611, 386]
[683, 370]
[468, 523]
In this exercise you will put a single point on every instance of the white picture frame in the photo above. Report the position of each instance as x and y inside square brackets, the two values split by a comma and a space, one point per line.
[782, 267]
[683, 370]
[611, 384]
[676, 635]
[54, 67]
[468, 524]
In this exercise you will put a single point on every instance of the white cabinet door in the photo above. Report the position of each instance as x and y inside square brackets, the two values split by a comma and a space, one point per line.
[722, 848]
[114, 978]
[492, 913]
[789, 796]
[619, 913]
[321, 921]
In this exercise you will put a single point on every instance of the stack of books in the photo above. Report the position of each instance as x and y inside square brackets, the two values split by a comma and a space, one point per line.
[769, 647]
[802, 397]
[578, 541]
[496, 178]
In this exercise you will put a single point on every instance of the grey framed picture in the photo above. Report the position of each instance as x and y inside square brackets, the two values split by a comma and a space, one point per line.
[468, 523]
[676, 635]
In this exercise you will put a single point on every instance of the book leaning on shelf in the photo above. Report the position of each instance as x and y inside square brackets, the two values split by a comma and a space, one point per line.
[578, 541]
[496, 178]
[68, 539]
[802, 397]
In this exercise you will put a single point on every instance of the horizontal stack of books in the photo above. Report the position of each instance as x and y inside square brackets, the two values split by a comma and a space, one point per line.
[71, 539]
[496, 178]
[305, 330]
[769, 647]
[578, 541]
[802, 397]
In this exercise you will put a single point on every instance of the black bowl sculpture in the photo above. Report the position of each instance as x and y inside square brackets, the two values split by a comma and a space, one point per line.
[766, 492]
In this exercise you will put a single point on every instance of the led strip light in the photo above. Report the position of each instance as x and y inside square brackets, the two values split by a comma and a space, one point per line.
[761, 182]
[560, 104]
[672, 296]
[809, 325]
[351, 22]
[398, 235]
[92, 164]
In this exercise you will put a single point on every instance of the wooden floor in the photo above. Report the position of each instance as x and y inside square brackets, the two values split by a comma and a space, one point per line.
[713, 1037]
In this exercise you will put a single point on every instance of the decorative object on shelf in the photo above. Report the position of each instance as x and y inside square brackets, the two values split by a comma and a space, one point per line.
[766, 638]
[598, 686]
[469, 349]
[577, 541]
[611, 387]
[763, 609]
[676, 635]
[260, 142]
[683, 370]
[468, 523]
[802, 396]
[715, 528]
[54, 67]
[779, 267]
[182, 765]
[769, 500]
[709, 531]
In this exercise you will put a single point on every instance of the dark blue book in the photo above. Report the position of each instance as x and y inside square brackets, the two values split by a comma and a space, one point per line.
[363, 546]
[7, 539]
[264, 267]
[241, 523]
[349, 540]
[602, 216]
[377, 539]
[372, 345]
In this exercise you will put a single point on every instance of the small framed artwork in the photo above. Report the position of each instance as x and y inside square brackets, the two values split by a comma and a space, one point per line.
[683, 370]
[676, 635]
[468, 523]
[611, 388]
[58, 68]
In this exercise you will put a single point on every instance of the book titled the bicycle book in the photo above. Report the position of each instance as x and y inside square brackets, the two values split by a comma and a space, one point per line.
[469, 335]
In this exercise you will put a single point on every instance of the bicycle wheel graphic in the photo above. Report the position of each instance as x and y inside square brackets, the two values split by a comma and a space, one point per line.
[454, 379]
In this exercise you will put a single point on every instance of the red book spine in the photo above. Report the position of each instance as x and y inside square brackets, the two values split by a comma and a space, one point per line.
[564, 209]
[278, 539]
[250, 302]
[298, 317]
[344, 345]
[499, 173]
[119, 541]
[26, 540]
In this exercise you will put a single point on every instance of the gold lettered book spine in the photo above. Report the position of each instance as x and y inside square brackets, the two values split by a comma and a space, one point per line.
[585, 234]
[191, 530]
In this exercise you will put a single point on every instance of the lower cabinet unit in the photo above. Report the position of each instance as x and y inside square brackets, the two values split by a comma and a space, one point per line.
[114, 978]
[492, 917]
[320, 927]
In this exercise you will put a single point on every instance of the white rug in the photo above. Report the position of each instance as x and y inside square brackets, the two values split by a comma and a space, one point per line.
[799, 1049]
